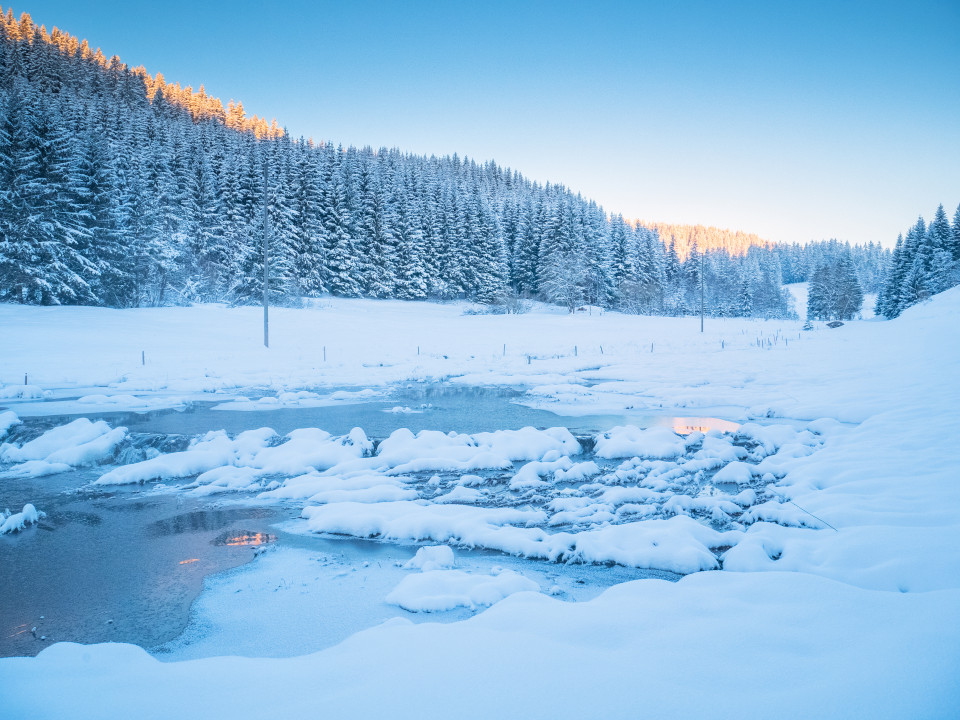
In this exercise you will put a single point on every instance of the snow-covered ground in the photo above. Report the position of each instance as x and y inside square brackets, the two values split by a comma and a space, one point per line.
[829, 498]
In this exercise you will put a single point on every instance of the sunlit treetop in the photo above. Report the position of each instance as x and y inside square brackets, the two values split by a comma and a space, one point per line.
[200, 105]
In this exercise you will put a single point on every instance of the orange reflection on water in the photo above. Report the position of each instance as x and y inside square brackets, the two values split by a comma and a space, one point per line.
[249, 539]
[687, 425]
[190, 560]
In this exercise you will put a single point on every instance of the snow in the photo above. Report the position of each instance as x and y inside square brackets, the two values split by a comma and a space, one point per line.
[460, 494]
[77, 443]
[737, 472]
[22, 392]
[431, 557]
[298, 399]
[440, 590]
[840, 549]
[432, 450]
[304, 450]
[8, 419]
[630, 441]
[10, 523]
[649, 645]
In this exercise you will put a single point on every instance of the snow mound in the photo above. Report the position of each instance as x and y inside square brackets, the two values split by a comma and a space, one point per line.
[630, 441]
[431, 450]
[406, 520]
[22, 392]
[431, 557]
[19, 521]
[8, 419]
[440, 590]
[304, 450]
[211, 451]
[78, 443]
[737, 472]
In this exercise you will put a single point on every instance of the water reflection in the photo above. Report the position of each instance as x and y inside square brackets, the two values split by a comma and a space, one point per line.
[201, 520]
[244, 538]
[687, 425]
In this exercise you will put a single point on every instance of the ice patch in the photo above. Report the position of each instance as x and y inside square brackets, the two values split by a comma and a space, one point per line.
[461, 495]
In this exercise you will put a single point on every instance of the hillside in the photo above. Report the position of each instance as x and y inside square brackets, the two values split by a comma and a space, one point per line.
[685, 238]
[127, 191]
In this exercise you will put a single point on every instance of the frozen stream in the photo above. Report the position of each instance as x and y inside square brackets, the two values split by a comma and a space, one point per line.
[125, 564]
[457, 408]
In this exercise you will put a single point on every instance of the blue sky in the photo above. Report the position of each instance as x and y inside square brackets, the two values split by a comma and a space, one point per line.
[799, 121]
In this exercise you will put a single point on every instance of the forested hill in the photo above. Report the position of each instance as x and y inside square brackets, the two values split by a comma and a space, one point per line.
[120, 189]
[688, 239]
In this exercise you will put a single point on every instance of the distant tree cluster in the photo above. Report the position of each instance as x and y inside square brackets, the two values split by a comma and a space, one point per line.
[834, 292]
[869, 262]
[688, 239]
[924, 263]
[120, 189]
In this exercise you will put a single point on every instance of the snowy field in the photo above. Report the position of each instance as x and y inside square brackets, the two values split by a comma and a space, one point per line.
[806, 491]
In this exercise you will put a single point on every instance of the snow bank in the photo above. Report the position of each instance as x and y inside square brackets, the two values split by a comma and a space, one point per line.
[772, 437]
[34, 468]
[803, 646]
[8, 419]
[304, 450]
[431, 450]
[440, 590]
[67, 440]
[213, 450]
[19, 521]
[361, 486]
[298, 399]
[678, 544]
[629, 441]
[78, 443]
[310, 448]
[22, 392]
[412, 521]
[226, 479]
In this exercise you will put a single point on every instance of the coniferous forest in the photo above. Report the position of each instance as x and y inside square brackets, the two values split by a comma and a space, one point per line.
[924, 263]
[120, 189]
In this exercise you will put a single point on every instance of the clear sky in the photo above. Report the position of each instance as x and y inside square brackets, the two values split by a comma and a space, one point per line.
[798, 121]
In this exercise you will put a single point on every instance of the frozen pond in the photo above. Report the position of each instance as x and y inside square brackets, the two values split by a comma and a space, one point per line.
[124, 564]
[433, 406]
[120, 566]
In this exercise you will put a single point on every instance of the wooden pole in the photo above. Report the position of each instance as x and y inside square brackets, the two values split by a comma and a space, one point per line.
[266, 256]
[701, 290]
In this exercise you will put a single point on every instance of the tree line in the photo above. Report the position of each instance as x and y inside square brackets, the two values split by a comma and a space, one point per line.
[120, 189]
[924, 263]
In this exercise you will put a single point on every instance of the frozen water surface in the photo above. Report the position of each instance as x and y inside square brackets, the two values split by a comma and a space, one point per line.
[422, 406]
[124, 564]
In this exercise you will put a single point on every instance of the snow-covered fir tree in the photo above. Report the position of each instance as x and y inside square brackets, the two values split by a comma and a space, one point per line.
[119, 188]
